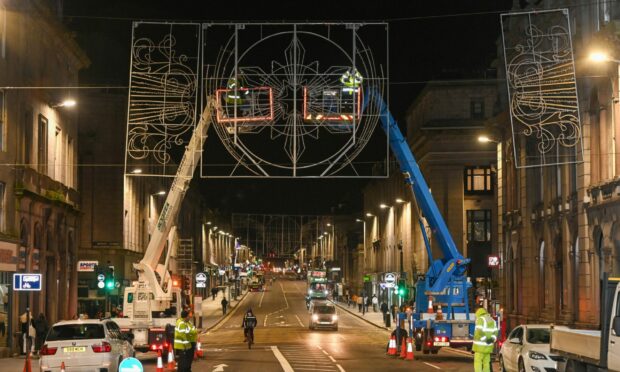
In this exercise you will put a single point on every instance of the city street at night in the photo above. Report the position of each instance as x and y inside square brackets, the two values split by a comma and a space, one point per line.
[309, 186]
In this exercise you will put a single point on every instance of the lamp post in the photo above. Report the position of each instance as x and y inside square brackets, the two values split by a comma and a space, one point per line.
[364, 268]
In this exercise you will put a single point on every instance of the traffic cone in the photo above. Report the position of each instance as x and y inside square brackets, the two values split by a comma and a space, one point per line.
[430, 305]
[392, 346]
[439, 315]
[403, 350]
[172, 365]
[62, 367]
[27, 364]
[199, 352]
[409, 349]
[160, 364]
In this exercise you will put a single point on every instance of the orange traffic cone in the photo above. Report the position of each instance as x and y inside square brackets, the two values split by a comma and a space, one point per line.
[62, 367]
[409, 349]
[172, 365]
[199, 352]
[439, 315]
[392, 346]
[430, 305]
[403, 350]
[160, 364]
[27, 364]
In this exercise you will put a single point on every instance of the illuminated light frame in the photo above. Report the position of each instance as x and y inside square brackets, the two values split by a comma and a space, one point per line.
[222, 120]
[338, 118]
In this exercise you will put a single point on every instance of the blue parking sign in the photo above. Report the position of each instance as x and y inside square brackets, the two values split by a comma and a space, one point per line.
[26, 282]
[130, 365]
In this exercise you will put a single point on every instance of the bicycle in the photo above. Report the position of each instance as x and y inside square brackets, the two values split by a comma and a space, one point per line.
[250, 337]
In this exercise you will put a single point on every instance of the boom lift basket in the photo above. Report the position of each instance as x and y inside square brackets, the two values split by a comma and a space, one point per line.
[244, 107]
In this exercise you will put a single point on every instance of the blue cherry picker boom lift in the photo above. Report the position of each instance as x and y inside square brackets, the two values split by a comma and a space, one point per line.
[446, 281]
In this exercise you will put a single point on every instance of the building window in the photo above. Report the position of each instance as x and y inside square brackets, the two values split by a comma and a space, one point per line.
[42, 148]
[478, 180]
[2, 204]
[3, 31]
[477, 108]
[479, 225]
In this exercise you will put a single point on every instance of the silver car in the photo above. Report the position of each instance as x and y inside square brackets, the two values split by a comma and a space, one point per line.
[84, 345]
[323, 315]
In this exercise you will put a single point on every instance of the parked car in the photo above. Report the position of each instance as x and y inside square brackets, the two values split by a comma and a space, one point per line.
[89, 344]
[323, 315]
[527, 349]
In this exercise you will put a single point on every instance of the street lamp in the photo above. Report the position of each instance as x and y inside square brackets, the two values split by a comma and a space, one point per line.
[600, 56]
[66, 103]
[486, 139]
[399, 201]
[384, 206]
[368, 214]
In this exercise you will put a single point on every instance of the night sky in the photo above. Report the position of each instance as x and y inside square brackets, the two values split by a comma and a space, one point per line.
[428, 40]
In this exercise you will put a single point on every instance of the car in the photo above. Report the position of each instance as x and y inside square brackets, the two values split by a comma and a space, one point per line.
[323, 315]
[527, 349]
[85, 345]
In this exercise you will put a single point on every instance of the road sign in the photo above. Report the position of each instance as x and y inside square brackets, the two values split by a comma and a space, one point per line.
[100, 284]
[201, 278]
[101, 277]
[27, 282]
[390, 278]
[493, 261]
[130, 365]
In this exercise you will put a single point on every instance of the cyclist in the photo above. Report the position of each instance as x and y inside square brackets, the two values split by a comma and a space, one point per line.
[248, 324]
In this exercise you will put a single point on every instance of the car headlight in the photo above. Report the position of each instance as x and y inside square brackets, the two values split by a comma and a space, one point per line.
[325, 293]
[315, 317]
[309, 291]
[334, 317]
[537, 356]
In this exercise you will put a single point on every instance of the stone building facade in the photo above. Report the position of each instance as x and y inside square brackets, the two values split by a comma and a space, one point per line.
[558, 230]
[39, 200]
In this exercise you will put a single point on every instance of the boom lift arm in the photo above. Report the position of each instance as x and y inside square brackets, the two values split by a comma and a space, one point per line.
[453, 264]
[149, 264]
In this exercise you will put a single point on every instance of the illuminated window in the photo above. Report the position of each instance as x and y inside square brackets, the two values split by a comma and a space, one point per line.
[478, 180]
[479, 225]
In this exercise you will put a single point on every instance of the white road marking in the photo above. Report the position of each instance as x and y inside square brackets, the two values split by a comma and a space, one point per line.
[319, 346]
[332, 358]
[299, 320]
[324, 352]
[431, 365]
[283, 362]
[260, 304]
[277, 311]
[284, 294]
[340, 368]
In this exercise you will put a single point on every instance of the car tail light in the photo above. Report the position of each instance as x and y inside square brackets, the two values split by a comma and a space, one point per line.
[103, 347]
[45, 350]
[436, 339]
[444, 339]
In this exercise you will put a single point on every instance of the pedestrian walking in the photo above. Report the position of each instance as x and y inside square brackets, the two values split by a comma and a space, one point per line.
[375, 302]
[485, 336]
[213, 293]
[185, 337]
[347, 296]
[367, 302]
[224, 305]
[41, 327]
[360, 302]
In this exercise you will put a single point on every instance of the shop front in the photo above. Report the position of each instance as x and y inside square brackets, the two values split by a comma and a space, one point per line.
[8, 266]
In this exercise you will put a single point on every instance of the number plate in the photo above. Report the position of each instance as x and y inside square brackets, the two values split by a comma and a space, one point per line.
[74, 349]
[441, 344]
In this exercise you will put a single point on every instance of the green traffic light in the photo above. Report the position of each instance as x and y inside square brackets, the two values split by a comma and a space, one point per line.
[109, 284]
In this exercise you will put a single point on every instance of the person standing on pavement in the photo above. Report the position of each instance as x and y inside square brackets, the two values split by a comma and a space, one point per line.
[367, 302]
[224, 305]
[185, 336]
[213, 293]
[360, 303]
[41, 327]
[485, 336]
[384, 310]
[375, 302]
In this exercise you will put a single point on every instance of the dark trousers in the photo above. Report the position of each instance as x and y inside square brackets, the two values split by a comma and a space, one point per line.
[184, 360]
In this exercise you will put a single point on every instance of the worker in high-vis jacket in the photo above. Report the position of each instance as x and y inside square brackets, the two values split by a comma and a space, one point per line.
[485, 336]
[185, 336]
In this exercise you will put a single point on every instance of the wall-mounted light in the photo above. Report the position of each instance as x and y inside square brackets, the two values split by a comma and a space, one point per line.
[368, 214]
[66, 103]
[136, 171]
[399, 201]
[383, 206]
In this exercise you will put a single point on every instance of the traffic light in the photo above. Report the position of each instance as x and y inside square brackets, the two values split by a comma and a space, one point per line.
[109, 280]
[402, 289]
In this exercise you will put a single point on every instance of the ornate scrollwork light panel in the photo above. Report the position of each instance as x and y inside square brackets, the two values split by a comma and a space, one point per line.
[289, 98]
[542, 89]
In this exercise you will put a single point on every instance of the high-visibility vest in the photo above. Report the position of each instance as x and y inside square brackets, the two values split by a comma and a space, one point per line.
[235, 93]
[485, 334]
[184, 334]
